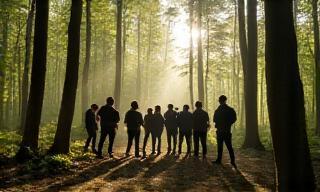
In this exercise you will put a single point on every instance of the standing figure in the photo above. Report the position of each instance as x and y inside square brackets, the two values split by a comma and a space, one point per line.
[134, 120]
[185, 123]
[156, 131]
[200, 129]
[148, 119]
[109, 119]
[224, 117]
[91, 127]
[171, 124]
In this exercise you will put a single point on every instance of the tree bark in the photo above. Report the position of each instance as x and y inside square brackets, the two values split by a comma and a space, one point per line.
[138, 91]
[34, 108]
[191, 2]
[317, 61]
[286, 100]
[252, 139]
[85, 73]
[117, 88]
[62, 137]
[200, 55]
[25, 78]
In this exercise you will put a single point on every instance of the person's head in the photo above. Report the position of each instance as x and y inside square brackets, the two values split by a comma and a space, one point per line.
[198, 104]
[110, 101]
[157, 109]
[186, 108]
[170, 106]
[149, 111]
[222, 99]
[94, 107]
[134, 105]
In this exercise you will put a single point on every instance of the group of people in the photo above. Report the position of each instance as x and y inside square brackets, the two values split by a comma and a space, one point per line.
[179, 126]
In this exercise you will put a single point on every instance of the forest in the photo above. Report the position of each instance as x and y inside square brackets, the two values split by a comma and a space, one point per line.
[58, 57]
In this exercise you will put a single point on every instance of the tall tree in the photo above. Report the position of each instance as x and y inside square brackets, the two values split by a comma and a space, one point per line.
[25, 78]
[252, 139]
[286, 100]
[35, 101]
[200, 54]
[139, 73]
[191, 2]
[62, 137]
[317, 61]
[85, 72]
[117, 88]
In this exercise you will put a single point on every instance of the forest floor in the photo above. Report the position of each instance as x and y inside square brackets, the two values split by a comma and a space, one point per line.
[155, 173]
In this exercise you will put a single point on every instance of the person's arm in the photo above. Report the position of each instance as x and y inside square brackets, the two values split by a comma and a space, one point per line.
[208, 121]
[140, 119]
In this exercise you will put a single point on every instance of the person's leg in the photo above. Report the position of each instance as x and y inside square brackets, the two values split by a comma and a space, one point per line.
[228, 142]
[153, 143]
[130, 139]
[175, 135]
[169, 139]
[136, 143]
[196, 143]
[180, 142]
[93, 144]
[188, 141]
[112, 135]
[203, 138]
[145, 140]
[87, 143]
[159, 144]
[103, 136]
[220, 147]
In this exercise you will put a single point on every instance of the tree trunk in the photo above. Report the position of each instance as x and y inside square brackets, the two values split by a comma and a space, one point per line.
[117, 88]
[207, 61]
[286, 100]
[191, 2]
[62, 137]
[138, 91]
[200, 55]
[85, 73]
[25, 81]
[317, 61]
[3, 55]
[252, 139]
[34, 108]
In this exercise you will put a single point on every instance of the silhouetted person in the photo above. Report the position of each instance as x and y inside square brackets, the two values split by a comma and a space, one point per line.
[109, 119]
[200, 129]
[148, 120]
[224, 117]
[156, 131]
[91, 127]
[185, 123]
[171, 124]
[134, 120]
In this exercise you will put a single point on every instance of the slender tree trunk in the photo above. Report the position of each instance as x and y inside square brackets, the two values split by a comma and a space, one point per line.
[3, 55]
[207, 60]
[148, 61]
[286, 100]
[252, 139]
[317, 61]
[191, 2]
[25, 81]
[34, 108]
[200, 55]
[138, 91]
[62, 137]
[85, 73]
[117, 88]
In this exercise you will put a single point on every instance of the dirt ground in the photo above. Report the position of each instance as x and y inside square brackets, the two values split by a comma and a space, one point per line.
[155, 173]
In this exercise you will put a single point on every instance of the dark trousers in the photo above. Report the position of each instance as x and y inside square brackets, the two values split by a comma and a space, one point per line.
[133, 134]
[156, 137]
[145, 140]
[202, 137]
[104, 134]
[188, 140]
[172, 133]
[227, 139]
[92, 135]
